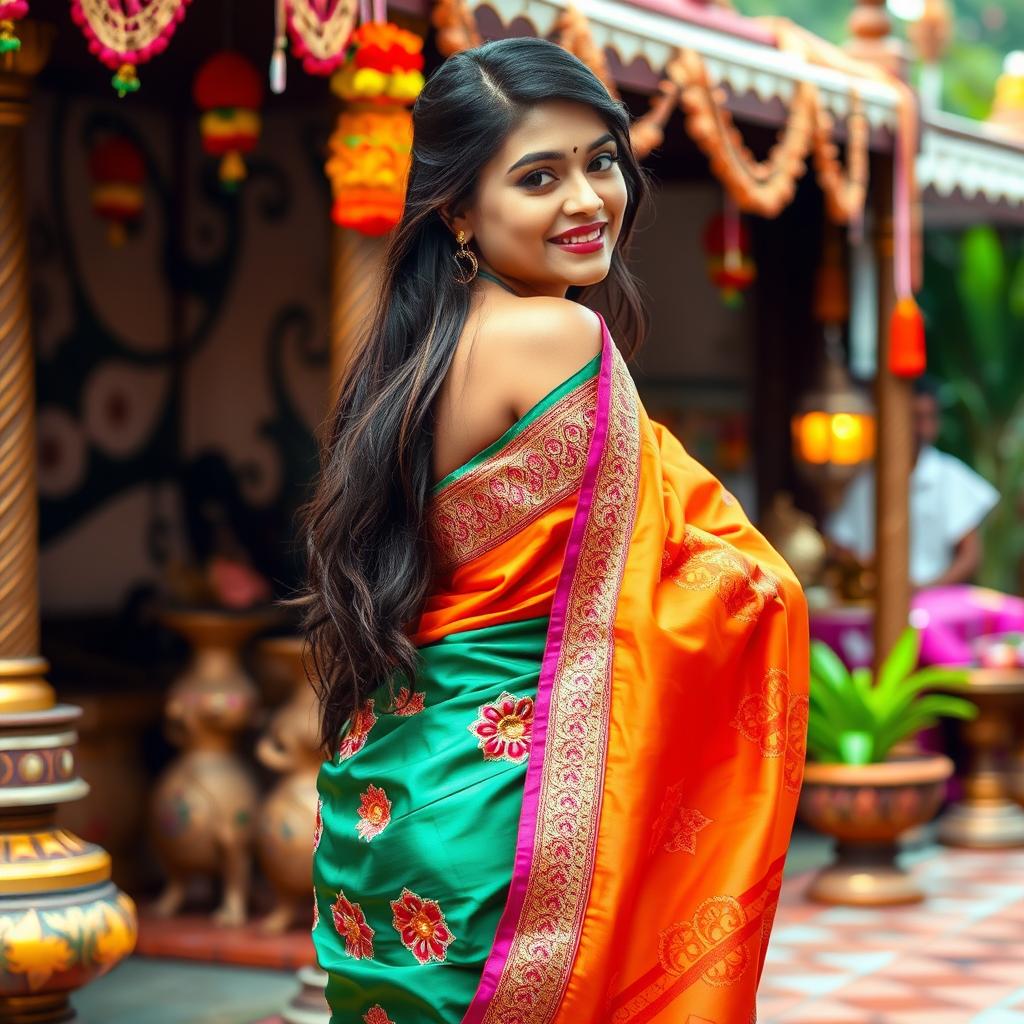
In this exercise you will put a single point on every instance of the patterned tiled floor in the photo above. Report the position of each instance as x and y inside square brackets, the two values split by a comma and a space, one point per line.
[958, 958]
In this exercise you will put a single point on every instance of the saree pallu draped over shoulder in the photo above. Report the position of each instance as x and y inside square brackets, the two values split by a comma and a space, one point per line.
[666, 734]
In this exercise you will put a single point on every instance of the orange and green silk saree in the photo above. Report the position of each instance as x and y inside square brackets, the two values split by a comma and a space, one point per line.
[579, 810]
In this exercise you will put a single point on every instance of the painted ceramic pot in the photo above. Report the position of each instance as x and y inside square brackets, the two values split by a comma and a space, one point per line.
[866, 808]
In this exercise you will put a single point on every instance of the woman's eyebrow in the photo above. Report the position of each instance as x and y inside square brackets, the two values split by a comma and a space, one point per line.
[553, 154]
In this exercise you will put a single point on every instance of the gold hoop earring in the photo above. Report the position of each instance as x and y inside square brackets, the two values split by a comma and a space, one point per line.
[462, 253]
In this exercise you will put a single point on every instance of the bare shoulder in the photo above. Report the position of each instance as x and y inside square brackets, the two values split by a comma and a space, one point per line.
[541, 343]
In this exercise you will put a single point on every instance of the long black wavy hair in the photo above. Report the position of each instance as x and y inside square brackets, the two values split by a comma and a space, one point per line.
[369, 559]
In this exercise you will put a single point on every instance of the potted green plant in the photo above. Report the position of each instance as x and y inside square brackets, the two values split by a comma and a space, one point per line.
[864, 784]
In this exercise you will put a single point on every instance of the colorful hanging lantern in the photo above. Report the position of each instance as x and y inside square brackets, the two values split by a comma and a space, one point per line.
[230, 91]
[727, 246]
[370, 147]
[10, 12]
[126, 33]
[118, 173]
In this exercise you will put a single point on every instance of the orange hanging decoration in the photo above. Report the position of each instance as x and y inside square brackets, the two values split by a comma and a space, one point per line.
[371, 145]
[906, 339]
[118, 172]
[230, 91]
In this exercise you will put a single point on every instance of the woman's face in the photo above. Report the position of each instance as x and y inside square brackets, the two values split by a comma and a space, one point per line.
[557, 171]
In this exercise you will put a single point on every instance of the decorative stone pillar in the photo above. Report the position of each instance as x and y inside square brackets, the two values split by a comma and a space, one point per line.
[62, 920]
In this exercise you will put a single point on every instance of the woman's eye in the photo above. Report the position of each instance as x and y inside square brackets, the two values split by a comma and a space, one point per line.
[531, 180]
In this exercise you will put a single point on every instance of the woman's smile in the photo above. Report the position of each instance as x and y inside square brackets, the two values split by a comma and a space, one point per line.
[582, 241]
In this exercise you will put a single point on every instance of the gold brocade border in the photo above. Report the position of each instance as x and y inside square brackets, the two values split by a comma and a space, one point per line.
[544, 947]
[532, 473]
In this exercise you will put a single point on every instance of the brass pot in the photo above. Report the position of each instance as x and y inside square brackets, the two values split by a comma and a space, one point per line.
[866, 808]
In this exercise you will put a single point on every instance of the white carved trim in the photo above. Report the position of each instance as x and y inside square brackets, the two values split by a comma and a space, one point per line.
[965, 156]
[633, 32]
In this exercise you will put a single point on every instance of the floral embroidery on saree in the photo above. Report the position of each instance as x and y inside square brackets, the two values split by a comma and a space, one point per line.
[316, 911]
[776, 721]
[422, 927]
[677, 826]
[504, 729]
[374, 813]
[350, 924]
[377, 1015]
[709, 947]
[544, 944]
[708, 563]
[408, 703]
[318, 824]
[531, 474]
[355, 739]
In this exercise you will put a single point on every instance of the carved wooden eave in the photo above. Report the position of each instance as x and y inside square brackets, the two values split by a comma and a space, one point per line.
[642, 39]
[963, 166]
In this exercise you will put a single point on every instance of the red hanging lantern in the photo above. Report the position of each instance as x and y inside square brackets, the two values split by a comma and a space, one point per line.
[730, 267]
[118, 173]
[230, 91]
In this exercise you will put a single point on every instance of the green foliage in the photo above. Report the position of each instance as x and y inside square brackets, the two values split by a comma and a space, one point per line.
[974, 304]
[984, 32]
[855, 720]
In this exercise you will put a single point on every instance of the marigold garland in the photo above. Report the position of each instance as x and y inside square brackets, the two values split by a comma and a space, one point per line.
[371, 146]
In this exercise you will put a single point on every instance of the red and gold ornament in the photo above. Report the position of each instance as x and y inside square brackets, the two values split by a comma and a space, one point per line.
[371, 144]
[727, 247]
[118, 173]
[229, 90]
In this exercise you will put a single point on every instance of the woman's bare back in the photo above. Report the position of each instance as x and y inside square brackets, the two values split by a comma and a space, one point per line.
[512, 352]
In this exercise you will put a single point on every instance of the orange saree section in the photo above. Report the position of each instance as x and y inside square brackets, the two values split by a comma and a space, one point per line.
[499, 531]
[704, 758]
[515, 580]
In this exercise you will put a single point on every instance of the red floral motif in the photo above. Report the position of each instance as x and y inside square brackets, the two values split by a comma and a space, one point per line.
[407, 704]
[504, 729]
[677, 826]
[316, 911]
[351, 925]
[377, 1015]
[374, 813]
[422, 927]
[355, 739]
[318, 824]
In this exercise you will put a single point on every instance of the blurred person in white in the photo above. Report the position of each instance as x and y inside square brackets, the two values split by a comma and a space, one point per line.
[948, 503]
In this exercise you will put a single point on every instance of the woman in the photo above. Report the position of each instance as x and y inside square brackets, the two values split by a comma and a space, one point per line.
[563, 678]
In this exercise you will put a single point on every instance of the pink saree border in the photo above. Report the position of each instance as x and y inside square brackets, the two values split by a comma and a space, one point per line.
[494, 977]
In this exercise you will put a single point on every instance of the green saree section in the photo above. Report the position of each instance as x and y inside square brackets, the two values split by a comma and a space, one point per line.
[420, 809]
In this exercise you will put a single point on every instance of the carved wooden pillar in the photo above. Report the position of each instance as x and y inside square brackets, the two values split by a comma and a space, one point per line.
[63, 922]
[894, 460]
[870, 40]
[355, 266]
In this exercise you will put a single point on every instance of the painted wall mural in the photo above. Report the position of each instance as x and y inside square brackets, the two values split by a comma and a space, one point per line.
[180, 374]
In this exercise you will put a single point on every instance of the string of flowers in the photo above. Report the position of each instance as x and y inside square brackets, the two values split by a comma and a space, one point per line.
[320, 32]
[126, 33]
[10, 12]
